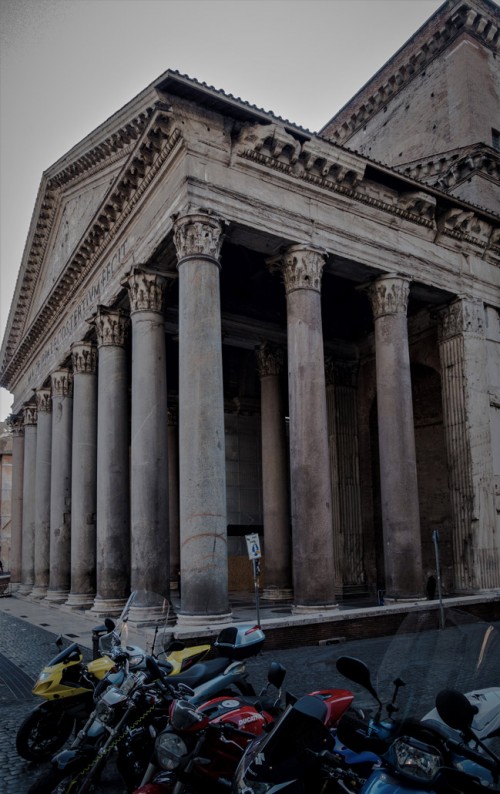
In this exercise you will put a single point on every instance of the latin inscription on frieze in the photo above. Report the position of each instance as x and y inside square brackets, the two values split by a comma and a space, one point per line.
[81, 312]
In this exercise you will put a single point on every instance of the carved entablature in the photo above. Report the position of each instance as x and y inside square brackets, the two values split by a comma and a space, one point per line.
[389, 295]
[198, 235]
[466, 19]
[269, 359]
[84, 358]
[463, 316]
[420, 204]
[30, 415]
[43, 399]
[62, 382]
[465, 225]
[450, 169]
[301, 267]
[155, 136]
[145, 292]
[111, 327]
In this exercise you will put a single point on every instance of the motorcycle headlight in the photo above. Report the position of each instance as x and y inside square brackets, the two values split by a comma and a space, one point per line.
[415, 760]
[169, 750]
[103, 712]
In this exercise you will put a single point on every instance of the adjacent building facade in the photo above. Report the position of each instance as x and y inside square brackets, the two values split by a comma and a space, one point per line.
[225, 323]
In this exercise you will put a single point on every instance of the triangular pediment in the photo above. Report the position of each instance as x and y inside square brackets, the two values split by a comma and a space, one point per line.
[76, 207]
[82, 202]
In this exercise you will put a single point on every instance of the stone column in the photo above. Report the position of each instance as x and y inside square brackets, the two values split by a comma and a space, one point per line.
[149, 539]
[113, 515]
[173, 499]
[467, 421]
[60, 486]
[42, 492]
[83, 476]
[16, 426]
[202, 473]
[276, 514]
[404, 577]
[310, 481]
[29, 480]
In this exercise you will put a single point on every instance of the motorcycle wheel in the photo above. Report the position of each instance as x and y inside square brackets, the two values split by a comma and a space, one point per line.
[56, 781]
[43, 733]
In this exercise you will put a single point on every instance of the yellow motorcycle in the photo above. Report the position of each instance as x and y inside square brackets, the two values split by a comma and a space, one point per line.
[69, 686]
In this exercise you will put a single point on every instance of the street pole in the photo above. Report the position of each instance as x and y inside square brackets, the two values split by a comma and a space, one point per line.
[256, 572]
[435, 540]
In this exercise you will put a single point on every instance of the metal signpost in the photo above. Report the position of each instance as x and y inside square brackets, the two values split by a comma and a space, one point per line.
[255, 554]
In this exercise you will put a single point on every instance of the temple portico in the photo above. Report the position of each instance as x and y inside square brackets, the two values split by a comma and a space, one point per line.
[253, 329]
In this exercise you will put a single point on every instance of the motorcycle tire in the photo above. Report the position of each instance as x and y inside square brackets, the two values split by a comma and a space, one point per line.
[42, 733]
[55, 781]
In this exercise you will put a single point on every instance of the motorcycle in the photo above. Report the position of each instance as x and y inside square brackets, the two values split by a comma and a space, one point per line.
[68, 685]
[134, 708]
[201, 746]
[429, 654]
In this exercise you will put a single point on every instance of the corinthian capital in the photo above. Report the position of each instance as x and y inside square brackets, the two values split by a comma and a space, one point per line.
[461, 317]
[389, 295]
[30, 415]
[145, 291]
[15, 424]
[43, 400]
[84, 357]
[269, 359]
[62, 382]
[198, 235]
[301, 267]
[110, 327]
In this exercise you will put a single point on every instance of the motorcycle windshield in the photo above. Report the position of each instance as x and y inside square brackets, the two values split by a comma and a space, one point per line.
[143, 607]
[288, 751]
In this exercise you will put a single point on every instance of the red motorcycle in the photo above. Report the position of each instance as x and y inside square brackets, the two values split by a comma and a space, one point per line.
[201, 748]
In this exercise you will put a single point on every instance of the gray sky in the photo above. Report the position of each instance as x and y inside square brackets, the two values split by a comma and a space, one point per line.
[67, 65]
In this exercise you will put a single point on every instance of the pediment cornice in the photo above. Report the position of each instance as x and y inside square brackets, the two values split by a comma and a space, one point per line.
[476, 19]
[145, 142]
[449, 169]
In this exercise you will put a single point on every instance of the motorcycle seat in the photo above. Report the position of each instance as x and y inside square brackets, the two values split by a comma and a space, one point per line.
[201, 672]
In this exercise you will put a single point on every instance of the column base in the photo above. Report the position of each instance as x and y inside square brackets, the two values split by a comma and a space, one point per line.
[39, 592]
[274, 593]
[140, 617]
[208, 621]
[313, 609]
[80, 600]
[107, 607]
[56, 596]
[25, 589]
[395, 599]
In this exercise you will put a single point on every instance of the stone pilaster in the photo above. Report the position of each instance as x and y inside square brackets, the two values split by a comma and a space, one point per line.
[202, 475]
[149, 540]
[42, 492]
[29, 481]
[173, 499]
[83, 476]
[113, 515]
[404, 577]
[60, 486]
[16, 427]
[310, 481]
[467, 421]
[277, 536]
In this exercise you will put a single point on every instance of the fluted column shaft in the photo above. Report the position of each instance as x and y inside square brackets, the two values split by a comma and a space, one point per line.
[398, 467]
[29, 481]
[310, 483]
[149, 540]
[113, 515]
[204, 577]
[16, 427]
[469, 442]
[60, 486]
[83, 476]
[42, 492]
[276, 514]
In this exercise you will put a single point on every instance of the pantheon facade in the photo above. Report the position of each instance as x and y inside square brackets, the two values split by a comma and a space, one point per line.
[225, 323]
